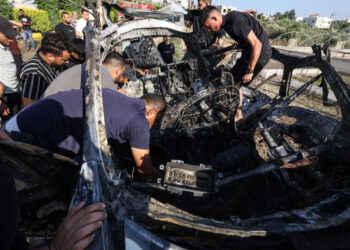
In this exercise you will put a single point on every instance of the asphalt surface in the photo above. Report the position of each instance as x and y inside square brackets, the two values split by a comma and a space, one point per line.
[340, 65]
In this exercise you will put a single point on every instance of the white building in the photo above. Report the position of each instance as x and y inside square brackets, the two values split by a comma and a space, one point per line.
[299, 19]
[225, 9]
[318, 22]
[29, 4]
[184, 3]
[348, 20]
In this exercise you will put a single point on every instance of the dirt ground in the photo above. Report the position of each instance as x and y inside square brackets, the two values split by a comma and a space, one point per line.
[27, 54]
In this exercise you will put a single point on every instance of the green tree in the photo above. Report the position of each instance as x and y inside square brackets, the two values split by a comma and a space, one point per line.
[5, 9]
[290, 14]
[51, 6]
[260, 17]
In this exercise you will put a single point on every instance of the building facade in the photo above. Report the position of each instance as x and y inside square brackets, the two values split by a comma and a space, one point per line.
[318, 22]
[29, 4]
[224, 9]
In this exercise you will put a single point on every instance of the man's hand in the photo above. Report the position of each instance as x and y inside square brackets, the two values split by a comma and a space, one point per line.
[4, 109]
[76, 230]
[145, 170]
[4, 136]
[214, 46]
[247, 78]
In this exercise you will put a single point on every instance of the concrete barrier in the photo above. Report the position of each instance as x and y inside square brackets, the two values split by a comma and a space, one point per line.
[340, 53]
[305, 72]
[292, 43]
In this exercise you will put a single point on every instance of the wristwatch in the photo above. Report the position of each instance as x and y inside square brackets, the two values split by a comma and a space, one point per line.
[249, 71]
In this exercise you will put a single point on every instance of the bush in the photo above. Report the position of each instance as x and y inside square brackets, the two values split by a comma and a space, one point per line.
[51, 6]
[5, 9]
[40, 18]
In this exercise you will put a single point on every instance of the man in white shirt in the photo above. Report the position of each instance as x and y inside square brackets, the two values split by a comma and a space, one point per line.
[8, 69]
[82, 23]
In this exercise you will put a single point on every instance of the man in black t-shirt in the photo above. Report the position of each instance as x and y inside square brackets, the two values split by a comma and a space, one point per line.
[251, 37]
[167, 51]
[206, 39]
[27, 23]
[65, 29]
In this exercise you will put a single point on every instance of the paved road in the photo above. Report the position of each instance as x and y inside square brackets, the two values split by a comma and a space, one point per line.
[341, 65]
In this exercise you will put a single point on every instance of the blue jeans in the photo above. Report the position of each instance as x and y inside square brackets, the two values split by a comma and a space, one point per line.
[28, 34]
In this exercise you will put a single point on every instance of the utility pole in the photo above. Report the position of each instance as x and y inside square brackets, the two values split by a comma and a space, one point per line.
[189, 4]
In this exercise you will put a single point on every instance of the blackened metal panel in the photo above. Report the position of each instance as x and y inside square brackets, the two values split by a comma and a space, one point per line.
[137, 237]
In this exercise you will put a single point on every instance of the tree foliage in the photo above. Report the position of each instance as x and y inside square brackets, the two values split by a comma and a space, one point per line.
[5, 9]
[54, 6]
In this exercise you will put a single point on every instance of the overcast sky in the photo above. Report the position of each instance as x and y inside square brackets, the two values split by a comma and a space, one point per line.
[340, 8]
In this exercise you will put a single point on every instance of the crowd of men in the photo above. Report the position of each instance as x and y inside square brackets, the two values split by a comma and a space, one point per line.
[43, 98]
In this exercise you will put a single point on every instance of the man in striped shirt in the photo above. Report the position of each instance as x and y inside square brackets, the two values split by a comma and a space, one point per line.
[39, 71]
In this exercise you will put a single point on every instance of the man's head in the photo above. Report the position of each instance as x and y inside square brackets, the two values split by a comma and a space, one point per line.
[155, 107]
[66, 19]
[166, 40]
[55, 50]
[21, 12]
[77, 49]
[85, 14]
[116, 65]
[7, 33]
[203, 3]
[211, 18]
[75, 14]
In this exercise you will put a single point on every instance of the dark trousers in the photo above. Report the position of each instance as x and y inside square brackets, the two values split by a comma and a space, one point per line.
[18, 61]
[241, 66]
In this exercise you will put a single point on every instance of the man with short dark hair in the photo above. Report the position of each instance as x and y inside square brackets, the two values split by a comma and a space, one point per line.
[111, 72]
[77, 54]
[27, 23]
[82, 22]
[39, 71]
[56, 123]
[65, 29]
[251, 37]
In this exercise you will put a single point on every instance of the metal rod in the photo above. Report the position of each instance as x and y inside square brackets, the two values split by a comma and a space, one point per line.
[268, 167]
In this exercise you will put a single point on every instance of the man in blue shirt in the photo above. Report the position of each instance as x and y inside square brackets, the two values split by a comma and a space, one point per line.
[56, 123]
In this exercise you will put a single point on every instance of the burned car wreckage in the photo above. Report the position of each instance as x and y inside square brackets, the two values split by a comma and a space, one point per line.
[280, 179]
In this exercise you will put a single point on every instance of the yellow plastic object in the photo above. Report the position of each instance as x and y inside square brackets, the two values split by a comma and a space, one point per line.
[37, 36]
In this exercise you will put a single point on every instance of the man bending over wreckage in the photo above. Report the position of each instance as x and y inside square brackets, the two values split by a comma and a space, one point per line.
[251, 37]
[56, 123]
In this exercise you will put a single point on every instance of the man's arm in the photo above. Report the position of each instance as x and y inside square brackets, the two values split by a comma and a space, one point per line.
[255, 54]
[79, 35]
[4, 109]
[221, 36]
[16, 24]
[173, 49]
[79, 30]
[145, 169]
